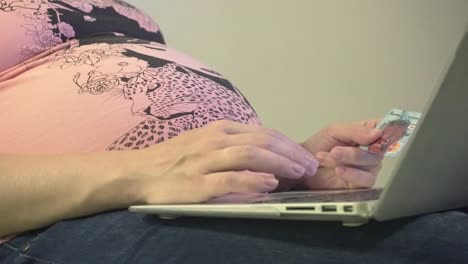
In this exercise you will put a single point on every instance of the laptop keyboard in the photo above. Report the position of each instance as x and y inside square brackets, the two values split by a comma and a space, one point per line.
[354, 195]
[317, 197]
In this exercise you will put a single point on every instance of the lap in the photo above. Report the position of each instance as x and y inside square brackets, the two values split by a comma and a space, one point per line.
[124, 237]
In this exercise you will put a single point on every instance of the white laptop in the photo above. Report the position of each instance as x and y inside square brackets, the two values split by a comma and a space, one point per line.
[431, 176]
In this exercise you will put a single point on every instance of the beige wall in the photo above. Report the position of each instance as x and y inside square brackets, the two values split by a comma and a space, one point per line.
[306, 63]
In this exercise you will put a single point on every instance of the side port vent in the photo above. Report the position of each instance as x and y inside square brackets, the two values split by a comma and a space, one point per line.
[300, 208]
[328, 208]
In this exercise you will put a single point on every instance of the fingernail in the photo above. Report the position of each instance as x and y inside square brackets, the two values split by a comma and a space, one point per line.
[271, 182]
[320, 155]
[312, 169]
[298, 170]
[312, 166]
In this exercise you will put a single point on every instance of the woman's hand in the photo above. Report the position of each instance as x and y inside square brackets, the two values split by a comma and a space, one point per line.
[342, 164]
[223, 157]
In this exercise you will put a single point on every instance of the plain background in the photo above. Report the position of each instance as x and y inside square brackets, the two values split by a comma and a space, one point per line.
[306, 63]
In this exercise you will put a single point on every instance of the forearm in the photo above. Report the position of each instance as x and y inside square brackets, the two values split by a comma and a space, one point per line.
[39, 190]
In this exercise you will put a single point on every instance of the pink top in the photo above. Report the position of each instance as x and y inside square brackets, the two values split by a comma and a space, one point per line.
[29, 27]
[81, 76]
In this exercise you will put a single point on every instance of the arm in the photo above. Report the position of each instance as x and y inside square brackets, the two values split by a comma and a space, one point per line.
[220, 158]
[38, 190]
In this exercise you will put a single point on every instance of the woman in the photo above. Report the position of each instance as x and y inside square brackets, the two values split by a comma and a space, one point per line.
[99, 114]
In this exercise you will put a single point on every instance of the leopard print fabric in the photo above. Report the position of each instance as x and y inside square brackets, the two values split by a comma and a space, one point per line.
[173, 96]
[175, 99]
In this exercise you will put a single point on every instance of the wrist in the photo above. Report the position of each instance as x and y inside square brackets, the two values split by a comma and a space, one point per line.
[112, 186]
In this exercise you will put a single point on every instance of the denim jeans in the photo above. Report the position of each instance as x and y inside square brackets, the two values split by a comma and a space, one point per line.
[124, 237]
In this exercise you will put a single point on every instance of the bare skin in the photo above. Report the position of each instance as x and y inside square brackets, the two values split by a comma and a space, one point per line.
[223, 157]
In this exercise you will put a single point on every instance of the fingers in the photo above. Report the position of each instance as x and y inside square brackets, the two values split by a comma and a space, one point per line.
[238, 134]
[356, 177]
[284, 147]
[357, 167]
[247, 157]
[354, 133]
[348, 156]
[233, 128]
[370, 123]
[238, 182]
[326, 179]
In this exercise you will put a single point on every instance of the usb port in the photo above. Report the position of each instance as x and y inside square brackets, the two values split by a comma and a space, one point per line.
[348, 208]
[328, 208]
